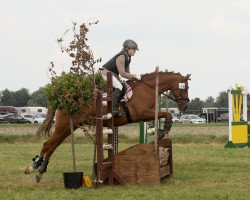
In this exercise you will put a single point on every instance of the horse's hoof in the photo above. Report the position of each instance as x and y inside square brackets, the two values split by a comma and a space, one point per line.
[38, 178]
[28, 170]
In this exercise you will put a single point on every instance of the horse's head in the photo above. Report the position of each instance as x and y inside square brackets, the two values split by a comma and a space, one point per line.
[168, 81]
[179, 91]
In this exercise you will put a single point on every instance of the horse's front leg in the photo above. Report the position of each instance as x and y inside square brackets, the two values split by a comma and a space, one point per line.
[167, 124]
[168, 120]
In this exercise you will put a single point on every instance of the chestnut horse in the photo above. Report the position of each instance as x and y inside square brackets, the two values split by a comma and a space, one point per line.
[141, 107]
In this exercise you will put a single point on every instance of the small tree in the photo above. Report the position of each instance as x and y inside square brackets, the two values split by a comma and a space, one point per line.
[75, 90]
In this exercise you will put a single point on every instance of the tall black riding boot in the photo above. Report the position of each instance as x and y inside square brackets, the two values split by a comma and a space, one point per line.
[117, 95]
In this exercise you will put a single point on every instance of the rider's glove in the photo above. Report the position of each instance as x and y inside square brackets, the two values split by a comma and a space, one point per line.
[138, 77]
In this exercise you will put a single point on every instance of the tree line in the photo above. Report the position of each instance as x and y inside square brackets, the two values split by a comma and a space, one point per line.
[221, 101]
[22, 97]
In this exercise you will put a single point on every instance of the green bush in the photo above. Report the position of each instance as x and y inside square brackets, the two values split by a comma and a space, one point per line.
[72, 91]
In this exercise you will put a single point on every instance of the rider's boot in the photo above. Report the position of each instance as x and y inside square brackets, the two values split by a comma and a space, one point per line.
[116, 99]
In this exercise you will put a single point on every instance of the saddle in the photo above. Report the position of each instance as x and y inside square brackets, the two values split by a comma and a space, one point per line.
[128, 93]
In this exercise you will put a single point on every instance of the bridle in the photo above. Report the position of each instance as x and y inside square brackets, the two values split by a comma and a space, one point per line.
[181, 87]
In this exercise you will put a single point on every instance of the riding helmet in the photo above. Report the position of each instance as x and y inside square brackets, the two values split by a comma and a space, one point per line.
[131, 44]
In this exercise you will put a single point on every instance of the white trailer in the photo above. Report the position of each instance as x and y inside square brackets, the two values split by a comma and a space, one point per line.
[32, 110]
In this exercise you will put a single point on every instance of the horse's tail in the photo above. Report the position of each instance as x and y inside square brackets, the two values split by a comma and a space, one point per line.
[45, 128]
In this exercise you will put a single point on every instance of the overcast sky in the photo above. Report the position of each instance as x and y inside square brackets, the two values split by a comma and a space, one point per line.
[209, 39]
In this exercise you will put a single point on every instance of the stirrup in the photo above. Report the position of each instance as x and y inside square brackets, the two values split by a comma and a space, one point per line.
[116, 112]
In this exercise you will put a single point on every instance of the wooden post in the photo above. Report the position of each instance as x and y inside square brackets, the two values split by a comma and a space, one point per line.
[105, 172]
[73, 145]
[156, 108]
[99, 139]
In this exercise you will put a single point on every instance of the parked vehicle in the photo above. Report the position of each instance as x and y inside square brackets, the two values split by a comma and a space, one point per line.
[15, 119]
[174, 119]
[8, 109]
[192, 119]
[223, 117]
[34, 119]
[2, 117]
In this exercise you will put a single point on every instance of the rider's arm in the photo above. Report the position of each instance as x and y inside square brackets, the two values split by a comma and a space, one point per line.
[120, 63]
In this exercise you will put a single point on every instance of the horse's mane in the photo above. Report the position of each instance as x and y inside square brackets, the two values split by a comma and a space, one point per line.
[151, 75]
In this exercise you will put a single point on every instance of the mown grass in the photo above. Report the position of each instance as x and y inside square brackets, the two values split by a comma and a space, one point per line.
[177, 138]
[203, 169]
[180, 133]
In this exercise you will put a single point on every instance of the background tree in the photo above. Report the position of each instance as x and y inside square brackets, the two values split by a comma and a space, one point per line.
[195, 104]
[222, 100]
[21, 97]
[38, 98]
[167, 103]
[18, 98]
[209, 102]
[1, 94]
[7, 98]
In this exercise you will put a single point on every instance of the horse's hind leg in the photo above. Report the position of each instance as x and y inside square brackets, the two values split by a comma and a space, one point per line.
[51, 146]
[38, 159]
[40, 162]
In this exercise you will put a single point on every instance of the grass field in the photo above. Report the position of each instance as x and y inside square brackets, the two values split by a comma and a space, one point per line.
[203, 169]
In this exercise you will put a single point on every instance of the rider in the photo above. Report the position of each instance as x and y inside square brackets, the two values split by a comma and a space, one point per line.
[119, 65]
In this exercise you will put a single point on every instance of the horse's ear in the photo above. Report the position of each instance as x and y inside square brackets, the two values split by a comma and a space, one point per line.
[187, 77]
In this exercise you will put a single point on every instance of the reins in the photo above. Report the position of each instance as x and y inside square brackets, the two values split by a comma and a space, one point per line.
[152, 87]
[166, 95]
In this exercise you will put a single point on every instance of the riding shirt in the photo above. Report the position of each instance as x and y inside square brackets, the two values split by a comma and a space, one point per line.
[119, 64]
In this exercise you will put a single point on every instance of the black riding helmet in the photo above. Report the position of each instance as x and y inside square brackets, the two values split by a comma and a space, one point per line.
[131, 44]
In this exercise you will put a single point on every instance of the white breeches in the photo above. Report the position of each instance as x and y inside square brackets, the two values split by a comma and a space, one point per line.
[116, 83]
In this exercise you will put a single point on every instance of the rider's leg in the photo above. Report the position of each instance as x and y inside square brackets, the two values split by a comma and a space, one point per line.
[117, 95]
[116, 99]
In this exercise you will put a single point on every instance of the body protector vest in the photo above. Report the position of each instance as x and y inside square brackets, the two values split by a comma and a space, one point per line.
[111, 64]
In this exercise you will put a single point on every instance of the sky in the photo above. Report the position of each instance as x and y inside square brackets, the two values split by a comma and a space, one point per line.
[208, 39]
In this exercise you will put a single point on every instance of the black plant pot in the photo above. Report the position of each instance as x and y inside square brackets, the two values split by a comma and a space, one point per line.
[72, 180]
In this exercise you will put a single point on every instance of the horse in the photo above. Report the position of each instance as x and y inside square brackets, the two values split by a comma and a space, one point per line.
[141, 107]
